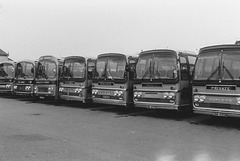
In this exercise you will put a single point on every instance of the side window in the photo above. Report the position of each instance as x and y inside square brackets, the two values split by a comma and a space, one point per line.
[132, 69]
[192, 60]
[184, 68]
[91, 67]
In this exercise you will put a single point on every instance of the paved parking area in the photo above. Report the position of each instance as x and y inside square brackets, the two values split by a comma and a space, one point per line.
[72, 131]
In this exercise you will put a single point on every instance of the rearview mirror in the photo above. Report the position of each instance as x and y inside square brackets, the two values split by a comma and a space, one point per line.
[175, 73]
[32, 70]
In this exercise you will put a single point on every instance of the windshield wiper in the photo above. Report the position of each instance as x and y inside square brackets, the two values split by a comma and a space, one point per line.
[66, 73]
[41, 71]
[4, 74]
[42, 75]
[215, 71]
[155, 73]
[25, 76]
[228, 72]
[109, 74]
[102, 76]
[147, 71]
[105, 75]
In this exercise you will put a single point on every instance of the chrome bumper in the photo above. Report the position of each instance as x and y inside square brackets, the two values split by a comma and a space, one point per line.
[109, 101]
[154, 105]
[217, 112]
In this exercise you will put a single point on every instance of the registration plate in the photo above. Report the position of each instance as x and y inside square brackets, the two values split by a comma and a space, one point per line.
[106, 97]
[223, 100]
[219, 114]
[152, 107]
[151, 95]
[105, 93]
[2, 86]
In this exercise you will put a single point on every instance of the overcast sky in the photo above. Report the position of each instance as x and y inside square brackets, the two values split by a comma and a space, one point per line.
[32, 28]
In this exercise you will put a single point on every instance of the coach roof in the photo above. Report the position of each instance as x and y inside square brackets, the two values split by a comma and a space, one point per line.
[3, 53]
[220, 47]
[177, 52]
[111, 54]
[7, 61]
[26, 60]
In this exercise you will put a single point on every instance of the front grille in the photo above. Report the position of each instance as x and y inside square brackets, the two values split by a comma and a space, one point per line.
[68, 89]
[106, 97]
[152, 85]
[74, 94]
[220, 106]
[42, 89]
[20, 88]
[69, 94]
[154, 100]
[2, 86]
[63, 93]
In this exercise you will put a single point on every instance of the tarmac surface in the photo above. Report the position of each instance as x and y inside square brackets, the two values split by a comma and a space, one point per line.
[71, 131]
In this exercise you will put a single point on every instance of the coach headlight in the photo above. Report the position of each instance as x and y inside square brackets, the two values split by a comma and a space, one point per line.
[78, 90]
[61, 89]
[8, 86]
[202, 99]
[50, 90]
[168, 95]
[115, 93]
[15, 87]
[196, 98]
[137, 94]
[94, 92]
[27, 88]
[165, 95]
[120, 93]
[238, 100]
[35, 89]
[171, 95]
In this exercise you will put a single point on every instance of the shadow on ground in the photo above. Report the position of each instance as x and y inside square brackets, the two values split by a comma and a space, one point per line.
[121, 112]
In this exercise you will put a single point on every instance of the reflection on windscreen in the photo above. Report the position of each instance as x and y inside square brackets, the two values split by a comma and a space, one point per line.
[25, 70]
[110, 67]
[46, 69]
[6, 70]
[100, 67]
[209, 66]
[156, 66]
[231, 66]
[116, 68]
[74, 69]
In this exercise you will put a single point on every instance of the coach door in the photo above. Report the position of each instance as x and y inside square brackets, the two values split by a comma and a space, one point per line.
[185, 88]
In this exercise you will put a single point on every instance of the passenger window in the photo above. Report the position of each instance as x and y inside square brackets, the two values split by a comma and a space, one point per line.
[91, 67]
[132, 71]
[184, 68]
[191, 60]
